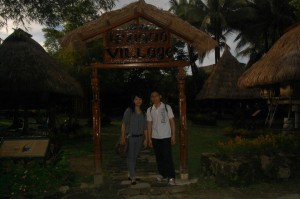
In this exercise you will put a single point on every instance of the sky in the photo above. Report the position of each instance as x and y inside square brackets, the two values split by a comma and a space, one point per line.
[36, 30]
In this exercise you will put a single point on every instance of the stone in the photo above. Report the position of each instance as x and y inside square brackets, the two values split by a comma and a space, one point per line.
[64, 189]
[180, 182]
[284, 173]
[139, 197]
[86, 186]
[141, 185]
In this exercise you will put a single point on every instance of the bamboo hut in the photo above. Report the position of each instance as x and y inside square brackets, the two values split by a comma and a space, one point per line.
[32, 79]
[221, 87]
[277, 74]
[28, 75]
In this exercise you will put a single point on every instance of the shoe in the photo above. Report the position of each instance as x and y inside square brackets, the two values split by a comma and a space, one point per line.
[133, 182]
[172, 182]
[160, 178]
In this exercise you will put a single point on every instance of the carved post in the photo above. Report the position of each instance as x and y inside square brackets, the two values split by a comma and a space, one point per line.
[98, 178]
[182, 126]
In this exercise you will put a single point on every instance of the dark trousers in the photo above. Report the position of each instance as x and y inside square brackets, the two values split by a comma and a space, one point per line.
[163, 153]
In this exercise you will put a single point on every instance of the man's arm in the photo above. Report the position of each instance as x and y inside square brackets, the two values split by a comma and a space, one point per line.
[173, 131]
[149, 127]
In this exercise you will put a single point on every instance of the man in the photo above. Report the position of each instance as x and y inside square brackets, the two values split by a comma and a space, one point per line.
[161, 132]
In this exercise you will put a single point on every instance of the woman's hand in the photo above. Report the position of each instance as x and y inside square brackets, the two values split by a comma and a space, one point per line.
[145, 143]
[123, 140]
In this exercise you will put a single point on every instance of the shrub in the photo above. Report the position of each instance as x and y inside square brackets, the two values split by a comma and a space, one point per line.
[244, 133]
[263, 144]
[32, 179]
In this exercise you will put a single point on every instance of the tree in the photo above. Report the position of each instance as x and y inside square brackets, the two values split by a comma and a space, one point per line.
[261, 23]
[216, 20]
[193, 12]
[49, 13]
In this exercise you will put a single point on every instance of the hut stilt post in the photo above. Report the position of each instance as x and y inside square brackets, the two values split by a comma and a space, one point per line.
[182, 126]
[98, 177]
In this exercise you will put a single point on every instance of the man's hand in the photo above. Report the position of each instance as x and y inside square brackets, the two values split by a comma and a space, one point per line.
[150, 143]
[173, 139]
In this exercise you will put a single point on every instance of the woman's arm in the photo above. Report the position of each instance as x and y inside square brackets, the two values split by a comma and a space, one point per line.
[123, 134]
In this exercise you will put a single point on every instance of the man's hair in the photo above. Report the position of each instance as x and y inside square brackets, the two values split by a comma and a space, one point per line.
[155, 91]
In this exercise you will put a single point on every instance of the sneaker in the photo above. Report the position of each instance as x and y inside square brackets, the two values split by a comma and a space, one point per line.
[133, 182]
[172, 182]
[160, 178]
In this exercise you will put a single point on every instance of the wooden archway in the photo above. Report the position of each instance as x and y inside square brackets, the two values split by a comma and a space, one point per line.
[147, 52]
[98, 178]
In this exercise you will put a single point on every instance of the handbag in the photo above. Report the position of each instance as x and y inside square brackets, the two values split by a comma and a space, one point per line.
[121, 149]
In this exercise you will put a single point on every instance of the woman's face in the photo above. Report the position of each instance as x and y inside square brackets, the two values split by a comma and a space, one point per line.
[155, 97]
[137, 101]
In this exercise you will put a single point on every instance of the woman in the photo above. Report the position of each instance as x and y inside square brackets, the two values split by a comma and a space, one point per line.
[133, 131]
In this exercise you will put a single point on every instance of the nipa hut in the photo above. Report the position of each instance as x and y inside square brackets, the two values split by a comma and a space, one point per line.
[221, 87]
[28, 75]
[32, 79]
[277, 74]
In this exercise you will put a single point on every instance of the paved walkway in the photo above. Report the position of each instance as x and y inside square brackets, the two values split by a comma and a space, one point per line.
[148, 188]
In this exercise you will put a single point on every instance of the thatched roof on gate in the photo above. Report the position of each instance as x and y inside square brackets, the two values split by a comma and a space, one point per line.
[280, 64]
[77, 38]
[222, 82]
[27, 69]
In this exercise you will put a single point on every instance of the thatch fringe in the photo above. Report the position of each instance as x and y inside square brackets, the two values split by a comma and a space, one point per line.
[280, 64]
[77, 38]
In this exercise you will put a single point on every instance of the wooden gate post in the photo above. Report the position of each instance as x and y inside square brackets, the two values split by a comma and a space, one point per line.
[98, 177]
[182, 126]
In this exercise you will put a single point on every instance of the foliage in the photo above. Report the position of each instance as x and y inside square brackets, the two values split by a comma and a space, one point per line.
[261, 23]
[50, 13]
[263, 144]
[244, 133]
[32, 179]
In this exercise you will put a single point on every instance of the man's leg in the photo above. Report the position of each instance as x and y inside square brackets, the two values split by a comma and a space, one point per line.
[157, 146]
[168, 165]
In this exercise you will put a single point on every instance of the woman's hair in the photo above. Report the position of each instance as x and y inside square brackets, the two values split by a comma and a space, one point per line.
[132, 105]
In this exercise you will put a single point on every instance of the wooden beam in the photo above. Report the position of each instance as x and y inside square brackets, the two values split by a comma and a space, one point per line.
[140, 65]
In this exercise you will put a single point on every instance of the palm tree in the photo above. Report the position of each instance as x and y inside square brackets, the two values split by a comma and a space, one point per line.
[262, 23]
[193, 12]
[216, 21]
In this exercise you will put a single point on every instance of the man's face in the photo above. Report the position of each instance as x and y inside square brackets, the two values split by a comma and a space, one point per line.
[155, 97]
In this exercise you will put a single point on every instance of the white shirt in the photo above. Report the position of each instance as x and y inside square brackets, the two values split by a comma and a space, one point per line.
[160, 119]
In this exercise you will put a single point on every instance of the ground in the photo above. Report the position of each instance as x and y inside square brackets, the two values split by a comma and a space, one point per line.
[116, 186]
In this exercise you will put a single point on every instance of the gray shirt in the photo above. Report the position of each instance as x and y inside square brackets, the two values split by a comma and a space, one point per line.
[135, 123]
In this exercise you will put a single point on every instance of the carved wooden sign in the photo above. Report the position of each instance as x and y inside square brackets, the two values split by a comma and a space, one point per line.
[136, 46]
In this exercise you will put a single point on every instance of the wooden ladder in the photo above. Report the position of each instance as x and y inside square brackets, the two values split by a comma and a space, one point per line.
[272, 110]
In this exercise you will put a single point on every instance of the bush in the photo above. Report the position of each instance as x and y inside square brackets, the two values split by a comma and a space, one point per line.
[244, 133]
[32, 179]
[263, 144]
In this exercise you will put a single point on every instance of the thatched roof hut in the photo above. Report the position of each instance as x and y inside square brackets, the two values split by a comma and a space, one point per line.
[27, 72]
[77, 38]
[222, 82]
[280, 64]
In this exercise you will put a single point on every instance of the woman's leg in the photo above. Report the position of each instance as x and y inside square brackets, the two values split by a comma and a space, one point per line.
[136, 144]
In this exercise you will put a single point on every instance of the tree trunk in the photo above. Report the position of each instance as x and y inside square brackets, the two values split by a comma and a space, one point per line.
[195, 71]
